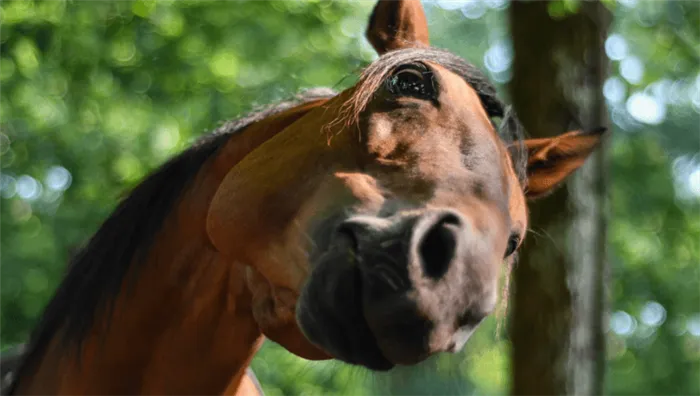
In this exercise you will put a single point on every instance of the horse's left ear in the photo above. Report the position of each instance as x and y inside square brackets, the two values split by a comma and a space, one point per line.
[552, 160]
[396, 24]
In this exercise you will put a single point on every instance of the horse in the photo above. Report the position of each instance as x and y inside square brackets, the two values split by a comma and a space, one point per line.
[368, 225]
[249, 385]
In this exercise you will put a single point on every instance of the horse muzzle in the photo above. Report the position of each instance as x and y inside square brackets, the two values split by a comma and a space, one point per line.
[395, 290]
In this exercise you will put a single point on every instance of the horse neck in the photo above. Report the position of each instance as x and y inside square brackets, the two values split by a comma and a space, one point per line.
[185, 326]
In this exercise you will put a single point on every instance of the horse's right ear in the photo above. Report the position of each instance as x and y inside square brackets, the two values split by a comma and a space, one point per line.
[552, 160]
[396, 24]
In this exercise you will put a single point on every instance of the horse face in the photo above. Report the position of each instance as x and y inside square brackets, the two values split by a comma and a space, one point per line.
[407, 246]
[407, 240]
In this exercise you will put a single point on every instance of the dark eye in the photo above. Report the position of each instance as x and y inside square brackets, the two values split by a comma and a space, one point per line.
[412, 80]
[513, 242]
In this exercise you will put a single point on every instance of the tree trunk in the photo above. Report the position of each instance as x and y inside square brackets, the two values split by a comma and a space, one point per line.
[559, 294]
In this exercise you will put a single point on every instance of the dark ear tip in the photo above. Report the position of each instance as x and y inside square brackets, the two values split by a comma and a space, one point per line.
[596, 131]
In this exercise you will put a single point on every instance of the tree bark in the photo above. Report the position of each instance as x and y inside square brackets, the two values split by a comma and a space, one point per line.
[557, 328]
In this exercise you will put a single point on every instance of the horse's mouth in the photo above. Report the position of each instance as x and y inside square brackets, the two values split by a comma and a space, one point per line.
[343, 335]
[357, 345]
[330, 312]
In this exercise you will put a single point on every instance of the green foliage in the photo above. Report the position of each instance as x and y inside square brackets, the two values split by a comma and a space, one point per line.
[95, 95]
[110, 90]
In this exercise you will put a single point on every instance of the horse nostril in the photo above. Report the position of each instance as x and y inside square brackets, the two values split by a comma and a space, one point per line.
[438, 244]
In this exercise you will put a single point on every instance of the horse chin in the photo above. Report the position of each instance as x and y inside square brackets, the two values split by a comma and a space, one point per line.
[330, 312]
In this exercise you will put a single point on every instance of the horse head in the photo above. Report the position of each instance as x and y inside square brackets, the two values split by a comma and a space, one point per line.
[374, 228]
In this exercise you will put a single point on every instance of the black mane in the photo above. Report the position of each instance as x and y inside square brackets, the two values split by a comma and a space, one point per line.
[97, 273]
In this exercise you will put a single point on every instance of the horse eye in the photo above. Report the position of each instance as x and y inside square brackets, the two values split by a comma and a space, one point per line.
[513, 242]
[412, 80]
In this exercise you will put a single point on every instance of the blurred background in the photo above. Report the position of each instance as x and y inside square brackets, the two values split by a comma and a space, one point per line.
[95, 95]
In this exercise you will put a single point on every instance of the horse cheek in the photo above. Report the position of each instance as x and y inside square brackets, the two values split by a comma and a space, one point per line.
[274, 311]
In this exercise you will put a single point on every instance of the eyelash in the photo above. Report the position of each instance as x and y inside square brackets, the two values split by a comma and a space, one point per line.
[417, 82]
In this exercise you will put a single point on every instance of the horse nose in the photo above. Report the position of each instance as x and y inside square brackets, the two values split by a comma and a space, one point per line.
[359, 229]
[436, 240]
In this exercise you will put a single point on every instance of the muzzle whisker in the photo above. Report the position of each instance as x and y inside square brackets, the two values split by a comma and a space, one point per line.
[384, 255]
[390, 276]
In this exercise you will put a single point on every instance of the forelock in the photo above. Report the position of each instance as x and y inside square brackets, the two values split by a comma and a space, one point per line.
[509, 128]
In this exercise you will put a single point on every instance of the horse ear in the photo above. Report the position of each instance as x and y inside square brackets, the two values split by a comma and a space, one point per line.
[396, 24]
[552, 160]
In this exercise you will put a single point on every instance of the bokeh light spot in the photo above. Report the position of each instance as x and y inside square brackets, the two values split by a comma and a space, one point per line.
[496, 4]
[58, 178]
[166, 137]
[28, 188]
[686, 177]
[645, 108]
[653, 314]
[7, 186]
[616, 47]
[498, 57]
[224, 64]
[632, 69]
[628, 3]
[614, 90]
[622, 323]
[693, 325]
[473, 9]
[694, 182]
